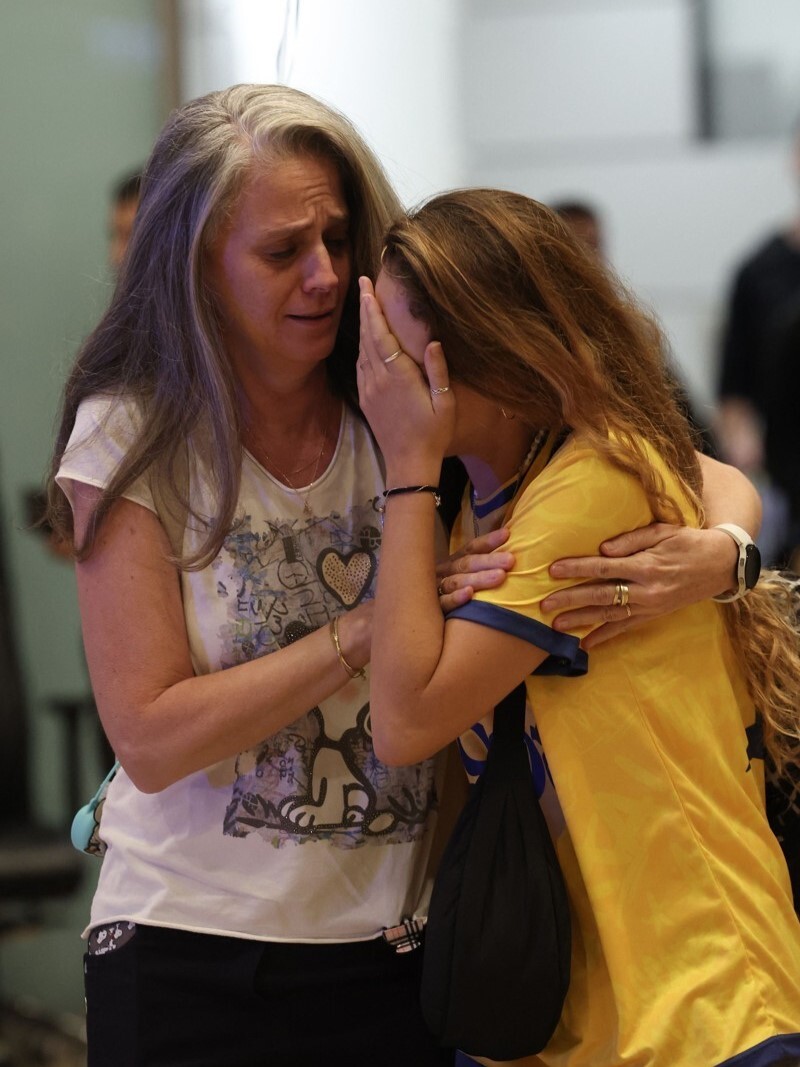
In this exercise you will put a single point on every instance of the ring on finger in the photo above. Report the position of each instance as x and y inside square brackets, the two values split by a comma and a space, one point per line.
[440, 390]
[440, 588]
[394, 355]
[628, 610]
[621, 595]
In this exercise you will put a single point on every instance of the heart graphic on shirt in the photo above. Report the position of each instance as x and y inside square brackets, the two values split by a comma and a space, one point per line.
[346, 575]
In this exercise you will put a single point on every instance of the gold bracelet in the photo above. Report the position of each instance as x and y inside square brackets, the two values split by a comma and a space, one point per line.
[360, 672]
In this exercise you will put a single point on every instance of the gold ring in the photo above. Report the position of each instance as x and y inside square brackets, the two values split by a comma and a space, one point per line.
[621, 595]
[440, 588]
[628, 609]
[394, 355]
[440, 390]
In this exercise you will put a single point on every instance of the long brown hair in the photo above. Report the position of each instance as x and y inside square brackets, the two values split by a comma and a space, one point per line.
[159, 343]
[533, 321]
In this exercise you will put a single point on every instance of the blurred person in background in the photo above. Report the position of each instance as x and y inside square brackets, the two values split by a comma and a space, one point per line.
[764, 295]
[584, 220]
[122, 212]
[782, 421]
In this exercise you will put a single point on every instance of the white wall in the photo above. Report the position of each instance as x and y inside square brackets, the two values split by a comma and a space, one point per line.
[392, 66]
[597, 100]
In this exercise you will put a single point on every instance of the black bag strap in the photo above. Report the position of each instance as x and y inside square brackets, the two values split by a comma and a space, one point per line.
[507, 753]
[509, 715]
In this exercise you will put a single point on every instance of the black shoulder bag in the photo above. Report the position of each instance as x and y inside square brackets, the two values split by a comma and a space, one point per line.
[498, 939]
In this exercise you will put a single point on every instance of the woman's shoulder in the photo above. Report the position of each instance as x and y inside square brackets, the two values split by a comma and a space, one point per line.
[114, 413]
[572, 451]
[579, 448]
[612, 475]
[581, 473]
[105, 429]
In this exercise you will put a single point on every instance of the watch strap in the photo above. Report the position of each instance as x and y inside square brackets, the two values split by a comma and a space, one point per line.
[744, 543]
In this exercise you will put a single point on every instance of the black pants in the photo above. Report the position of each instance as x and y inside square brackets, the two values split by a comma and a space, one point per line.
[170, 998]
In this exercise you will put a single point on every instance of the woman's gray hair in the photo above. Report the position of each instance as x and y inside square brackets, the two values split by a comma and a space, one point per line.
[159, 342]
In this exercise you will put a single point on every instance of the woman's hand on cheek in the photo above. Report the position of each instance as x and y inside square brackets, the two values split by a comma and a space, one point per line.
[412, 424]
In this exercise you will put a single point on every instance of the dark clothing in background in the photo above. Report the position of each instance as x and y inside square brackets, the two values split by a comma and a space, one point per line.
[783, 417]
[703, 437]
[765, 290]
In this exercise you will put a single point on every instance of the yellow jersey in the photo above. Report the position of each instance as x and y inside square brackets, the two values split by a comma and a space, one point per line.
[686, 946]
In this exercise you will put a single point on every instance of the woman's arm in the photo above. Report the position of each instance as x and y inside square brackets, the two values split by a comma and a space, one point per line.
[729, 496]
[666, 567]
[162, 721]
[430, 680]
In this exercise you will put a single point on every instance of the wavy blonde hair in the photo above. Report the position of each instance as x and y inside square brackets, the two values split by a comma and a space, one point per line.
[159, 342]
[531, 320]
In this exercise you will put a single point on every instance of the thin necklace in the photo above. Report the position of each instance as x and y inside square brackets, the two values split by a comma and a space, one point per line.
[285, 479]
[305, 466]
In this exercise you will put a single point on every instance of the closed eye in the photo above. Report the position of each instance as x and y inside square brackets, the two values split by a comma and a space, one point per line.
[278, 254]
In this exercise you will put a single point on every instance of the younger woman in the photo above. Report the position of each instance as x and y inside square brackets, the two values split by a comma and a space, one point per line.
[686, 948]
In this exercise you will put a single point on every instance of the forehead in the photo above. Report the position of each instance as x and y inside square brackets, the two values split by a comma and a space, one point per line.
[289, 191]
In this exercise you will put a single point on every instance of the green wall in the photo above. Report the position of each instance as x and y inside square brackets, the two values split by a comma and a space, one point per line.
[82, 99]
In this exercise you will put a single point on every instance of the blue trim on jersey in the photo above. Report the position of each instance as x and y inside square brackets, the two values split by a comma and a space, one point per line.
[501, 497]
[774, 1052]
[566, 657]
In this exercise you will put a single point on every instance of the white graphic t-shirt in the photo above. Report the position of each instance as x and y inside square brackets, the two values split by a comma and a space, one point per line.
[307, 836]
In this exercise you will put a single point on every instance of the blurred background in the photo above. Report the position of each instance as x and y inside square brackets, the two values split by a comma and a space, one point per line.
[672, 120]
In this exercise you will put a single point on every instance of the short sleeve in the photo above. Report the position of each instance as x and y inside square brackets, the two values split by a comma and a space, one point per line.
[578, 501]
[104, 430]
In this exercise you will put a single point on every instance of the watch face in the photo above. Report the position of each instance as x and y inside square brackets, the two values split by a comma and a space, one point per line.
[752, 566]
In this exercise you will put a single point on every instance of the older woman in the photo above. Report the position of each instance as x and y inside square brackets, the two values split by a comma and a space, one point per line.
[686, 948]
[222, 491]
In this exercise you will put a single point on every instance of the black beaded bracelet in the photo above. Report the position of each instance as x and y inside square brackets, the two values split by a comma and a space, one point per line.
[432, 489]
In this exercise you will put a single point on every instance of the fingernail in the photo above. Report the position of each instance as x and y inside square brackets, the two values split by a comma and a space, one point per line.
[557, 570]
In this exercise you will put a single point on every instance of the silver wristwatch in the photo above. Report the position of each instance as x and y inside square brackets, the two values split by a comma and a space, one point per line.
[748, 567]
